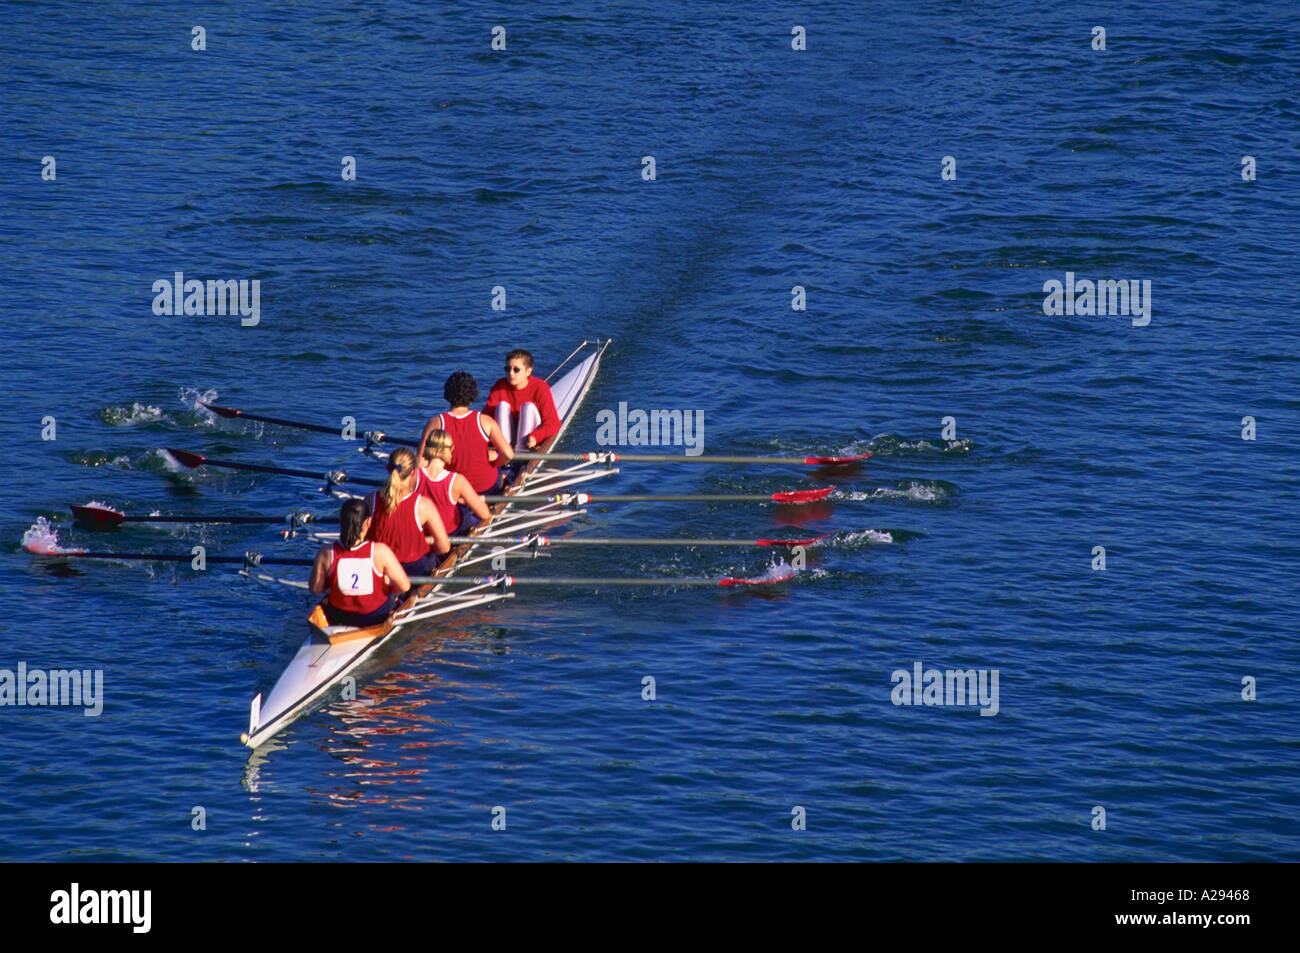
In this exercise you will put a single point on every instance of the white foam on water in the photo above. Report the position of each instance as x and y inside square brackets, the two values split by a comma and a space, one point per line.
[869, 536]
[131, 416]
[777, 571]
[915, 491]
[43, 539]
[190, 397]
[887, 443]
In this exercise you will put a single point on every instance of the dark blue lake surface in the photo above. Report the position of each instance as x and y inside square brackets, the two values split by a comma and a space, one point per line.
[1120, 689]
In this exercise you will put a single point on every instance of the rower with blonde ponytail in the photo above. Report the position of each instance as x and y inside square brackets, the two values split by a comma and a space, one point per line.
[459, 506]
[403, 516]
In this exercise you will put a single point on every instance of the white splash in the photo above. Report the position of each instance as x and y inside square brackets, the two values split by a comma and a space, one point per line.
[190, 397]
[869, 536]
[776, 572]
[915, 491]
[137, 413]
[43, 539]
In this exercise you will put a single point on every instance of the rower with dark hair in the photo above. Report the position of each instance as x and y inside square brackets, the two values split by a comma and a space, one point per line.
[522, 405]
[403, 516]
[473, 434]
[363, 577]
[459, 506]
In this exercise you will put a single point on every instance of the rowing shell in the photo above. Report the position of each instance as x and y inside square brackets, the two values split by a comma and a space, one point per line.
[330, 653]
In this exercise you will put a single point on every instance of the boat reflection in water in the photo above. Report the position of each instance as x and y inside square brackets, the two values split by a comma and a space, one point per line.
[786, 514]
[395, 704]
[389, 739]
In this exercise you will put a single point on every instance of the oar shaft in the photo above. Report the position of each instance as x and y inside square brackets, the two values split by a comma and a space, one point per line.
[589, 581]
[616, 541]
[641, 498]
[235, 520]
[681, 498]
[234, 413]
[99, 517]
[187, 557]
[783, 496]
[258, 468]
[612, 457]
[194, 460]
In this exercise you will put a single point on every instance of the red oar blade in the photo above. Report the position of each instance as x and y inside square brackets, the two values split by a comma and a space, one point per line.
[835, 461]
[802, 496]
[793, 542]
[185, 458]
[97, 515]
[230, 413]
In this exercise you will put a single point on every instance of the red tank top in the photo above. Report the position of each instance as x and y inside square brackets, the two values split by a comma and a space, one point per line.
[469, 450]
[439, 491]
[354, 584]
[399, 530]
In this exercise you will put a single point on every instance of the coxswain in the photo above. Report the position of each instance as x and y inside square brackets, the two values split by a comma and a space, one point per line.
[473, 434]
[522, 405]
[459, 506]
[402, 517]
[363, 577]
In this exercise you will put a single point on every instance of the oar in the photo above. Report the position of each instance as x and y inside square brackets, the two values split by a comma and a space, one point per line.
[253, 559]
[195, 460]
[596, 582]
[379, 436]
[234, 413]
[775, 574]
[601, 456]
[786, 496]
[103, 516]
[634, 541]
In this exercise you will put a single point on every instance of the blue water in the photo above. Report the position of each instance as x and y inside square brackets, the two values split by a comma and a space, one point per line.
[1119, 689]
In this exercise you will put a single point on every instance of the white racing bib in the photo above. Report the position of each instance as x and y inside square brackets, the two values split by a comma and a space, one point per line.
[355, 577]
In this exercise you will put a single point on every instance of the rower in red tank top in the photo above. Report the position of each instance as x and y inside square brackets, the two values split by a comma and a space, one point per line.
[402, 517]
[355, 586]
[473, 434]
[459, 506]
[523, 405]
[363, 578]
